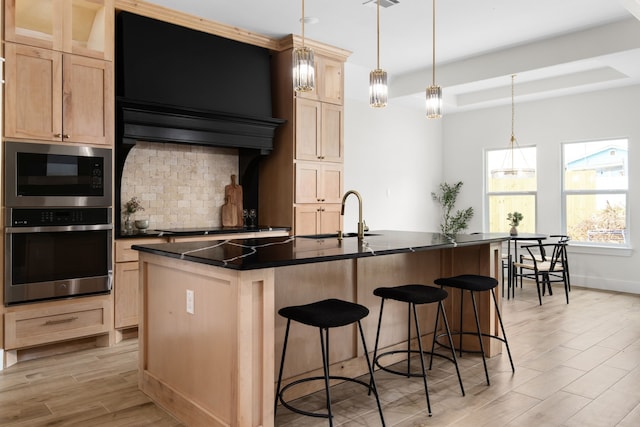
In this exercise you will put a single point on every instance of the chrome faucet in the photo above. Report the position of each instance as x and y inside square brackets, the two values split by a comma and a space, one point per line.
[362, 227]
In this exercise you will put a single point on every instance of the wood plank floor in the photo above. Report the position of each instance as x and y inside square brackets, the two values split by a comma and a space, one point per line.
[576, 365]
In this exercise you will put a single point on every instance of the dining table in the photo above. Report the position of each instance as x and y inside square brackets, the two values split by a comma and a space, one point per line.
[516, 239]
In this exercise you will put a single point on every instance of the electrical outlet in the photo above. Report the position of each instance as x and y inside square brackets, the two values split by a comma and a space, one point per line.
[190, 301]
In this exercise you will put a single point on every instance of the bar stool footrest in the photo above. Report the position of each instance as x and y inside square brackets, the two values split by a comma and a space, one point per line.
[402, 373]
[475, 334]
[290, 407]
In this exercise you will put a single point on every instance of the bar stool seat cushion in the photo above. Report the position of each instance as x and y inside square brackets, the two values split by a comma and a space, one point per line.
[417, 294]
[469, 282]
[329, 313]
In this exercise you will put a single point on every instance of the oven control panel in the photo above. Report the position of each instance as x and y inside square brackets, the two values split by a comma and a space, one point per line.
[53, 217]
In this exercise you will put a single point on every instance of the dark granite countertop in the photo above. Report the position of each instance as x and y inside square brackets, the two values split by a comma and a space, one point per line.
[250, 254]
[196, 231]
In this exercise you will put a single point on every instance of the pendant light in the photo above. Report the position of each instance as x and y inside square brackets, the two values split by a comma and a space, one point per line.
[434, 93]
[378, 89]
[303, 65]
[509, 168]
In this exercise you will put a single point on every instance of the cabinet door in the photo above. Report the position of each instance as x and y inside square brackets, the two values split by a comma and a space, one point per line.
[308, 182]
[307, 219]
[308, 118]
[331, 135]
[33, 103]
[88, 100]
[83, 27]
[329, 81]
[330, 183]
[126, 295]
[330, 218]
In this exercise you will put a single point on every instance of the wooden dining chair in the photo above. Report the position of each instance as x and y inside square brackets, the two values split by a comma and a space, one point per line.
[546, 264]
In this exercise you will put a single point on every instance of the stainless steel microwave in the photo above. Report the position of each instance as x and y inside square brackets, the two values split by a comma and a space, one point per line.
[50, 175]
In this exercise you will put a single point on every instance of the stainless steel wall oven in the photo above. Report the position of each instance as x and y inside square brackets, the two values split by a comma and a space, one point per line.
[58, 222]
[57, 253]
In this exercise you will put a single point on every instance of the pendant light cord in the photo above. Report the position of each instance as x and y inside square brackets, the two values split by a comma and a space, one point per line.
[513, 110]
[433, 50]
[378, 37]
[302, 23]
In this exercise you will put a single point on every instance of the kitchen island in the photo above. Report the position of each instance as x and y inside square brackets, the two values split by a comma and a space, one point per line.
[210, 336]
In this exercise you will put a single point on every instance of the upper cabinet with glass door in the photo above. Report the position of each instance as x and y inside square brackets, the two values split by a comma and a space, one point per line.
[81, 27]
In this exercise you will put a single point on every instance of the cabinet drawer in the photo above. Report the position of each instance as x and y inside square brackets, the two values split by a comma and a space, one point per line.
[124, 253]
[59, 322]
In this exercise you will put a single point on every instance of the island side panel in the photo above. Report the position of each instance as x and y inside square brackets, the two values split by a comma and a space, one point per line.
[255, 356]
[207, 368]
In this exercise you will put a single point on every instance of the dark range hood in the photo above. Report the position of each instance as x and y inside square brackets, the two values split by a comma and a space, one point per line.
[175, 84]
[178, 85]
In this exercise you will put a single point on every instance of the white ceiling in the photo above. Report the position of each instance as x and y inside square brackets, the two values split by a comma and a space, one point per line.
[555, 47]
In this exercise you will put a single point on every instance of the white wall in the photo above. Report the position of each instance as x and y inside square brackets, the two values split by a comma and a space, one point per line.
[545, 124]
[393, 158]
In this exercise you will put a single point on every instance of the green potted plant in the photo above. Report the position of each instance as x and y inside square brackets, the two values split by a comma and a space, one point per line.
[451, 222]
[514, 219]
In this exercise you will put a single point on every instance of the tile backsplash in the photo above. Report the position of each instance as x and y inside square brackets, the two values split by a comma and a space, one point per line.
[178, 185]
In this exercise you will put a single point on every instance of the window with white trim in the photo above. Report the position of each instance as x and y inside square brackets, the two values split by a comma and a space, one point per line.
[595, 191]
[511, 186]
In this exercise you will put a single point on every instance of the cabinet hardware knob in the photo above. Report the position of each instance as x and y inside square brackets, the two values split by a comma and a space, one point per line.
[57, 322]
[66, 136]
[57, 135]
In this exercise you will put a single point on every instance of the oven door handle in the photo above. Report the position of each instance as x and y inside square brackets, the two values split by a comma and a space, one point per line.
[58, 228]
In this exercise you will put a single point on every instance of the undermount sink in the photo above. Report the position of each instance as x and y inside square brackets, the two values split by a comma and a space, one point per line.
[335, 235]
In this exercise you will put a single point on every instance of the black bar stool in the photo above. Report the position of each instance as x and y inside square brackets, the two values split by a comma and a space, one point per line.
[325, 314]
[476, 283]
[415, 295]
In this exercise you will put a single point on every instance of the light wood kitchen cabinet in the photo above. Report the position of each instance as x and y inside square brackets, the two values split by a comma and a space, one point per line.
[329, 80]
[318, 182]
[319, 131]
[126, 295]
[31, 325]
[52, 96]
[81, 27]
[306, 165]
[317, 218]
[125, 281]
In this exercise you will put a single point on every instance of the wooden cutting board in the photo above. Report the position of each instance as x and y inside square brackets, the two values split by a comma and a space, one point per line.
[229, 213]
[233, 195]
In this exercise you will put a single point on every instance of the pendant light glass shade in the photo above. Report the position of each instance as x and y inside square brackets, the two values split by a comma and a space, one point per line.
[304, 79]
[434, 93]
[434, 102]
[303, 69]
[378, 89]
